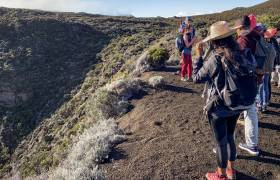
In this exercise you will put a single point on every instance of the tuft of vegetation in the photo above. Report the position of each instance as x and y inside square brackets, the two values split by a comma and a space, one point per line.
[106, 104]
[157, 57]
[271, 21]
[91, 148]
[156, 81]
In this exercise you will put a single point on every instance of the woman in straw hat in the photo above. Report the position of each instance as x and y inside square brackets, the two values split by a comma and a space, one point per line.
[222, 120]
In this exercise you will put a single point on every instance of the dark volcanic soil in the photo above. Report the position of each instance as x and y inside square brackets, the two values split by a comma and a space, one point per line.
[168, 138]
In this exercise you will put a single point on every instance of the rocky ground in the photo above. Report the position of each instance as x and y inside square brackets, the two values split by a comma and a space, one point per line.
[168, 137]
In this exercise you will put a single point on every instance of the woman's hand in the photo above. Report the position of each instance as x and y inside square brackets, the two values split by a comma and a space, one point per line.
[199, 49]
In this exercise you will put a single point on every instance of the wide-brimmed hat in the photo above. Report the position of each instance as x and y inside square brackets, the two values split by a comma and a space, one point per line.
[270, 33]
[219, 30]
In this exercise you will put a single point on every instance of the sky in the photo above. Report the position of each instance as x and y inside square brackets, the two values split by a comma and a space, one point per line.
[138, 8]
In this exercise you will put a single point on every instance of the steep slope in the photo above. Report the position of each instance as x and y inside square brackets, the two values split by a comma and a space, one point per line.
[50, 64]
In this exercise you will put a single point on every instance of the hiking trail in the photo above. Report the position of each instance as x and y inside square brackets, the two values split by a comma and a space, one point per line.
[168, 138]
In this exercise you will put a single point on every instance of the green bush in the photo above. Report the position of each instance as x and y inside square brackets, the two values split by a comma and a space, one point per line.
[157, 57]
[271, 21]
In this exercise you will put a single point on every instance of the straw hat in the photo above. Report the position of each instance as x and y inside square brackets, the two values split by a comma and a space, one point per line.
[270, 33]
[219, 30]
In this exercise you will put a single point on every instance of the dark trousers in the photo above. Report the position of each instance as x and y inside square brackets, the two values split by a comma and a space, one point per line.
[223, 131]
[269, 88]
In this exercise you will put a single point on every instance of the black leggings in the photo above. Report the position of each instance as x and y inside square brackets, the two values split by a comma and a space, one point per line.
[223, 130]
[269, 88]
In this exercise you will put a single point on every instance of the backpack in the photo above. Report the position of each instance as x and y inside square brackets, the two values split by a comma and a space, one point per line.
[180, 44]
[261, 54]
[269, 63]
[240, 89]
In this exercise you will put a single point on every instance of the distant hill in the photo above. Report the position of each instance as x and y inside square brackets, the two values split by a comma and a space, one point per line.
[270, 8]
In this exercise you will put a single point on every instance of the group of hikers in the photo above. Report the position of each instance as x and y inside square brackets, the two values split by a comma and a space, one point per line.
[238, 65]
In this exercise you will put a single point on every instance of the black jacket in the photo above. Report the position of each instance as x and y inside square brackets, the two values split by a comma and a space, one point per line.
[211, 71]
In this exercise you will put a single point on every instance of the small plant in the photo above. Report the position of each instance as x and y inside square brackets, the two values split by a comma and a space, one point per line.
[142, 64]
[91, 148]
[104, 103]
[157, 57]
[126, 89]
[173, 60]
[156, 81]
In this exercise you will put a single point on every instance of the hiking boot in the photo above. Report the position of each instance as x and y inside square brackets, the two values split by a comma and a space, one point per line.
[251, 150]
[231, 174]
[189, 80]
[216, 176]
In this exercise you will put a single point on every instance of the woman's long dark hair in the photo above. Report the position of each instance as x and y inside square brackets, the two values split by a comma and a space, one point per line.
[228, 45]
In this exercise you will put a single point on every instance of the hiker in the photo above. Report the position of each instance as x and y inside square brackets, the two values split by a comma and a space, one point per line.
[265, 88]
[189, 38]
[276, 72]
[180, 45]
[247, 39]
[221, 114]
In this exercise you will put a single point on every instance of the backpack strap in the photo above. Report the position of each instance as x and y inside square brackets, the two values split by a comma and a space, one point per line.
[222, 59]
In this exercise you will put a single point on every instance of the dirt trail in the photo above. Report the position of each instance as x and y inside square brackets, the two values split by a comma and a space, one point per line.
[169, 139]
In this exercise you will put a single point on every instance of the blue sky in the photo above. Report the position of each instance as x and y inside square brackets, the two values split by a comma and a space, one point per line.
[147, 8]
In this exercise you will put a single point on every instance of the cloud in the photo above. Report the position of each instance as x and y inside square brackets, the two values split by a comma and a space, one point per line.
[181, 13]
[184, 13]
[52, 5]
[89, 6]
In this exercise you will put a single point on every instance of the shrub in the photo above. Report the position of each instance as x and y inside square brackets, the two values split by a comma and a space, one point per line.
[91, 148]
[173, 60]
[105, 104]
[270, 20]
[157, 57]
[156, 81]
[142, 64]
[126, 89]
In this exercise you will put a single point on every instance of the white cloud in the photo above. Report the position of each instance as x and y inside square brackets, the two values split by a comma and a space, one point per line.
[185, 13]
[94, 6]
[181, 13]
[52, 5]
